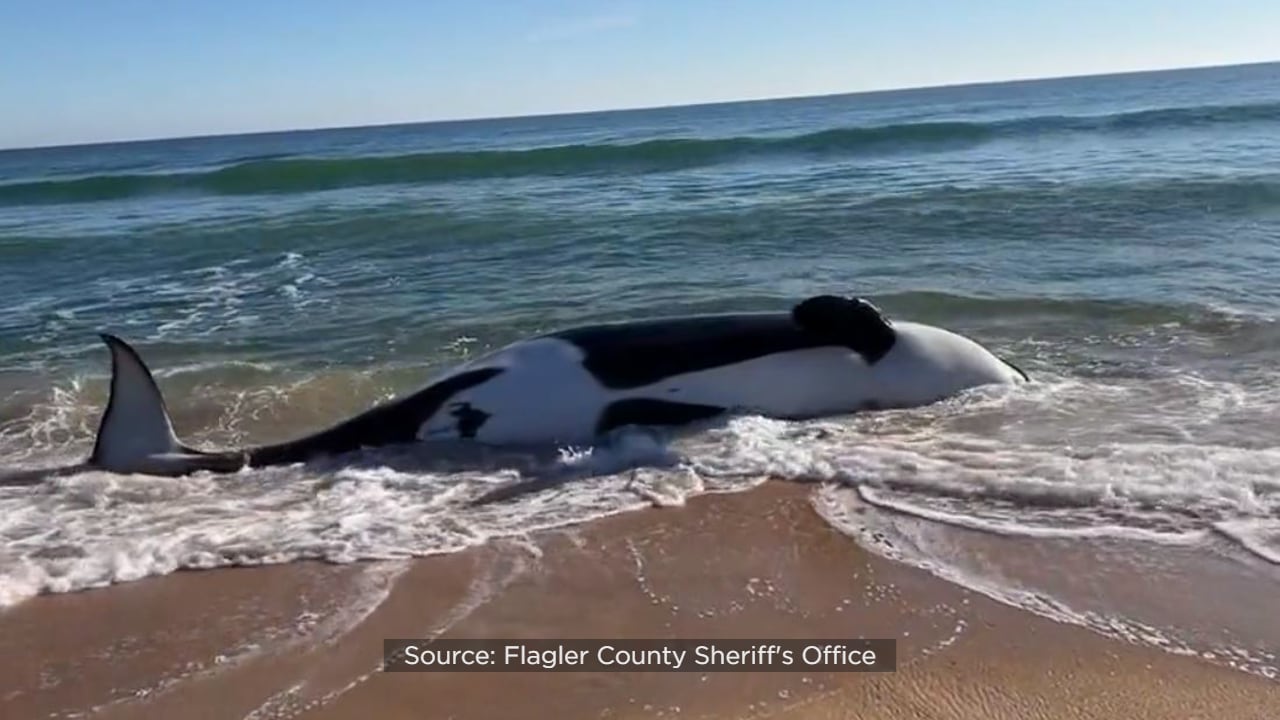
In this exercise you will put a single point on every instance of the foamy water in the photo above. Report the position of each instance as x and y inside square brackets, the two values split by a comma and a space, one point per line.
[1176, 460]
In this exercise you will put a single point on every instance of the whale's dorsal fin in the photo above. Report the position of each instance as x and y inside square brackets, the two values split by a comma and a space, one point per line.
[136, 422]
[852, 322]
[136, 434]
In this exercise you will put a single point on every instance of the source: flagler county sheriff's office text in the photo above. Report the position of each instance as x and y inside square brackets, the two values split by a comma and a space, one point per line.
[409, 655]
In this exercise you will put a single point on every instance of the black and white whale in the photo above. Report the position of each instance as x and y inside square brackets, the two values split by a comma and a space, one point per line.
[829, 355]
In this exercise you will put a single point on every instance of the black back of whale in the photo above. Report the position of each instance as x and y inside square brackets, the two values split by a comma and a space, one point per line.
[390, 423]
[635, 354]
[622, 355]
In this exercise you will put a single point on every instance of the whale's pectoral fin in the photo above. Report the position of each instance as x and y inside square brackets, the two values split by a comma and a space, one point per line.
[852, 322]
[653, 413]
[136, 434]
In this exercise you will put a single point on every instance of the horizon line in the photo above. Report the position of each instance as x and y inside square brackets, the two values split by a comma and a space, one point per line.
[635, 108]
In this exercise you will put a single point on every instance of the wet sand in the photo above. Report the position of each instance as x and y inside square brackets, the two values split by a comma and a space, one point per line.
[305, 640]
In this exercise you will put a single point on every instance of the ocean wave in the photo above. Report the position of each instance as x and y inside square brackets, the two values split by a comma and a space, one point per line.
[1244, 194]
[267, 174]
[1083, 582]
[1118, 314]
[306, 174]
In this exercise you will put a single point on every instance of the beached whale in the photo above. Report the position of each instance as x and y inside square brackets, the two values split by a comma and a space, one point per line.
[829, 355]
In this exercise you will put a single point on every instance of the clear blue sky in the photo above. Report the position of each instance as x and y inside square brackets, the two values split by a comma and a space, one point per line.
[90, 70]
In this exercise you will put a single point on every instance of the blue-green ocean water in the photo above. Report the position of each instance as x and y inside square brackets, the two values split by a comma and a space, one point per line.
[1118, 237]
[374, 244]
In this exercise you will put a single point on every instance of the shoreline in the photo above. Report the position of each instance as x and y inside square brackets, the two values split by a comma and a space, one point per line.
[304, 639]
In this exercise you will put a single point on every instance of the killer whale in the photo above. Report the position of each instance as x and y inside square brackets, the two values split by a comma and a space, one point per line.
[829, 355]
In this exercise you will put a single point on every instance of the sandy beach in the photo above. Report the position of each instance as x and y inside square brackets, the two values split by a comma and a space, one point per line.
[304, 640]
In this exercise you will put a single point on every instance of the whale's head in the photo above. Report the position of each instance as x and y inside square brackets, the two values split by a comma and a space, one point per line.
[901, 363]
[928, 363]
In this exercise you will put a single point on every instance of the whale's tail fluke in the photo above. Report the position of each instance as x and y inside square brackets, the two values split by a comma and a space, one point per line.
[136, 434]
